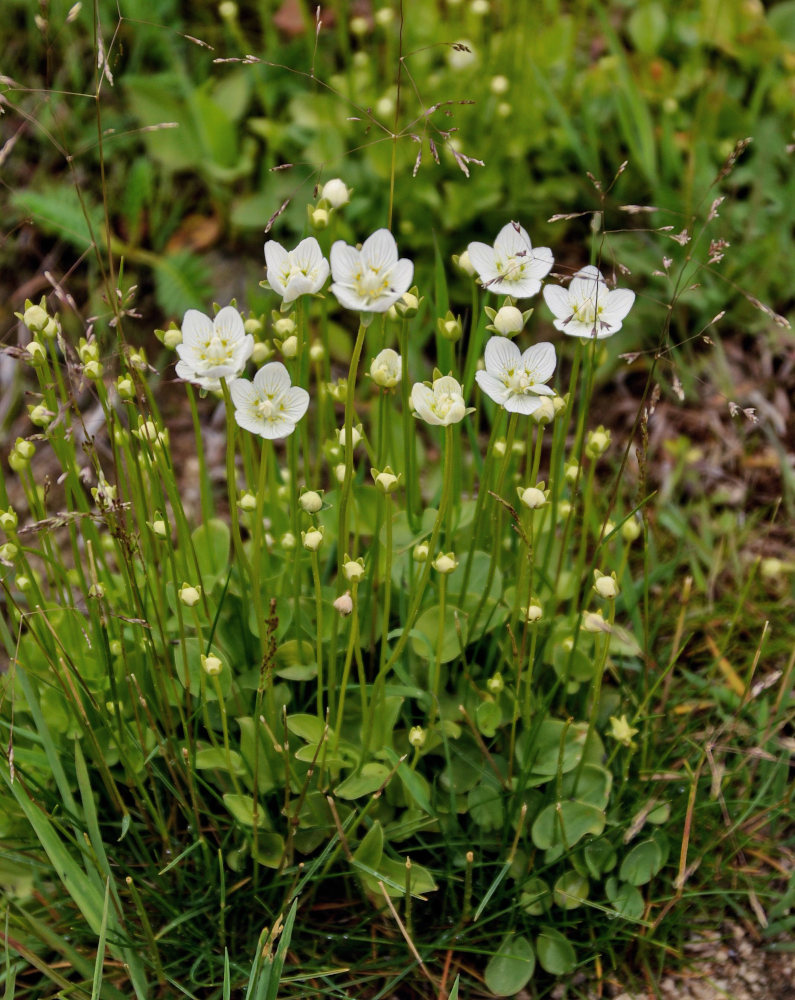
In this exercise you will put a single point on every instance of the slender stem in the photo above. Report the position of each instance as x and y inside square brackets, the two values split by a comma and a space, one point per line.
[319, 627]
[353, 638]
[437, 663]
[342, 537]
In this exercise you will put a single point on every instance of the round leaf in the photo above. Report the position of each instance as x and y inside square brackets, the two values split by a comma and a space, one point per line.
[511, 967]
[555, 953]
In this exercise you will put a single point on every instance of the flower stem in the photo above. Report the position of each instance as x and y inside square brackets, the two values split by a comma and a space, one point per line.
[342, 537]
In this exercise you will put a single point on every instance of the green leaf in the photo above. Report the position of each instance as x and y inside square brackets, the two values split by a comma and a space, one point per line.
[555, 953]
[372, 847]
[484, 803]
[593, 786]
[536, 897]
[488, 717]
[211, 542]
[510, 968]
[371, 777]
[414, 784]
[571, 890]
[600, 857]
[647, 27]
[307, 727]
[642, 863]
[425, 636]
[565, 823]
[217, 759]
[59, 212]
[182, 282]
[242, 808]
[626, 899]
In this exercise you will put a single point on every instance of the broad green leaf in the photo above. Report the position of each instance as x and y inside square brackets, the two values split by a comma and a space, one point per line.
[536, 897]
[600, 857]
[642, 863]
[307, 727]
[371, 848]
[593, 785]
[510, 967]
[242, 808]
[555, 953]
[484, 803]
[647, 27]
[571, 890]
[268, 849]
[217, 759]
[57, 211]
[422, 881]
[565, 823]
[488, 717]
[626, 898]
[425, 640]
[371, 777]
[211, 542]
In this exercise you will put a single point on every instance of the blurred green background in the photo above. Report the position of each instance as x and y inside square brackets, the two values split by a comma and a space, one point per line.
[548, 94]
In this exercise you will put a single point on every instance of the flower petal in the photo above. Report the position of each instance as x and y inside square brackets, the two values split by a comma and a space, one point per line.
[275, 257]
[347, 298]
[272, 379]
[422, 399]
[493, 387]
[380, 250]
[521, 403]
[345, 261]
[512, 239]
[500, 355]
[400, 276]
[557, 299]
[276, 428]
[539, 361]
[481, 256]
[294, 404]
[196, 327]
[618, 304]
[243, 393]
[445, 385]
[229, 323]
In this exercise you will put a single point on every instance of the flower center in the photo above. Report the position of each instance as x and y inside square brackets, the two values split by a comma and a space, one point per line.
[513, 268]
[266, 408]
[444, 403]
[521, 382]
[216, 350]
[370, 282]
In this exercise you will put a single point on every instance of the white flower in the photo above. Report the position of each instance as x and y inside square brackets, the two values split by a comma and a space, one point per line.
[587, 308]
[511, 266]
[386, 368]
[371, 279]
[336, 193]
[269, 406]
[212, 349]
[514, 380]
[293, 273]
[440, 404]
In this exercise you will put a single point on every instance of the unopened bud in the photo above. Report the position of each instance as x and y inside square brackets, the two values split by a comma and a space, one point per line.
[534, 496]
[9, 519]
[386, 481]
[37, 353]
[344, 604]
[290, 346]
[495, 684]
[190, 596]
[508, 320]
[605, 586]
[318, 218]
[311, 502]
[598, 442]
[211, 665]
[450, 327]
[386, 368]
[445, 563]
[40, 415]
[336, 193]
[594, 621]
[316, 352]
[8, 552]
[533, 612]
[353, 569]
[247, 501]
[463, 261]
[288, 541]
[283, 326]
[630, 530]
[417, 737]
[420, 552]
[312, 539]
[544, 413]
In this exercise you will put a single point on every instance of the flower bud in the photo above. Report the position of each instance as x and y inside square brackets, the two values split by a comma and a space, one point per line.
[159, 528]
[344, 604]
[769, 569]
[386, 481]
[254, 326]
[336, 193]
[8, 552]
[407, 306]
[533, 612]
[24, 583]
[503, 109]
[594, 621]
[356, 435]
[97, 591]
[312, 539]
[571, 471]
[450, 327]
[261, 352]
[445, 563]
[26, 449]
[318, 217]
[37, 353]
[420, 553]
[353, 569]
[338, 390]
[283, 326]
[605, 586]
[172, 338]
[462, 261]
[339, 472]
[630, 530]
[247, 501]
[386, 368]
[533, 497]
[544, 413]
[93, 370]
[597, 443]
[125, 387]
[190, 596]
[499, 85]
[311, 502]
[288, 541]
[211, 665]
[290, 346]
[35, 318]
[621, 730]
[417, 737]
[560, 403]
[88, 350]
[500, 447]
[508, 320]
[9, 519]
[40, 416]
[495, 683]
[384, 16]
[316, 351]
